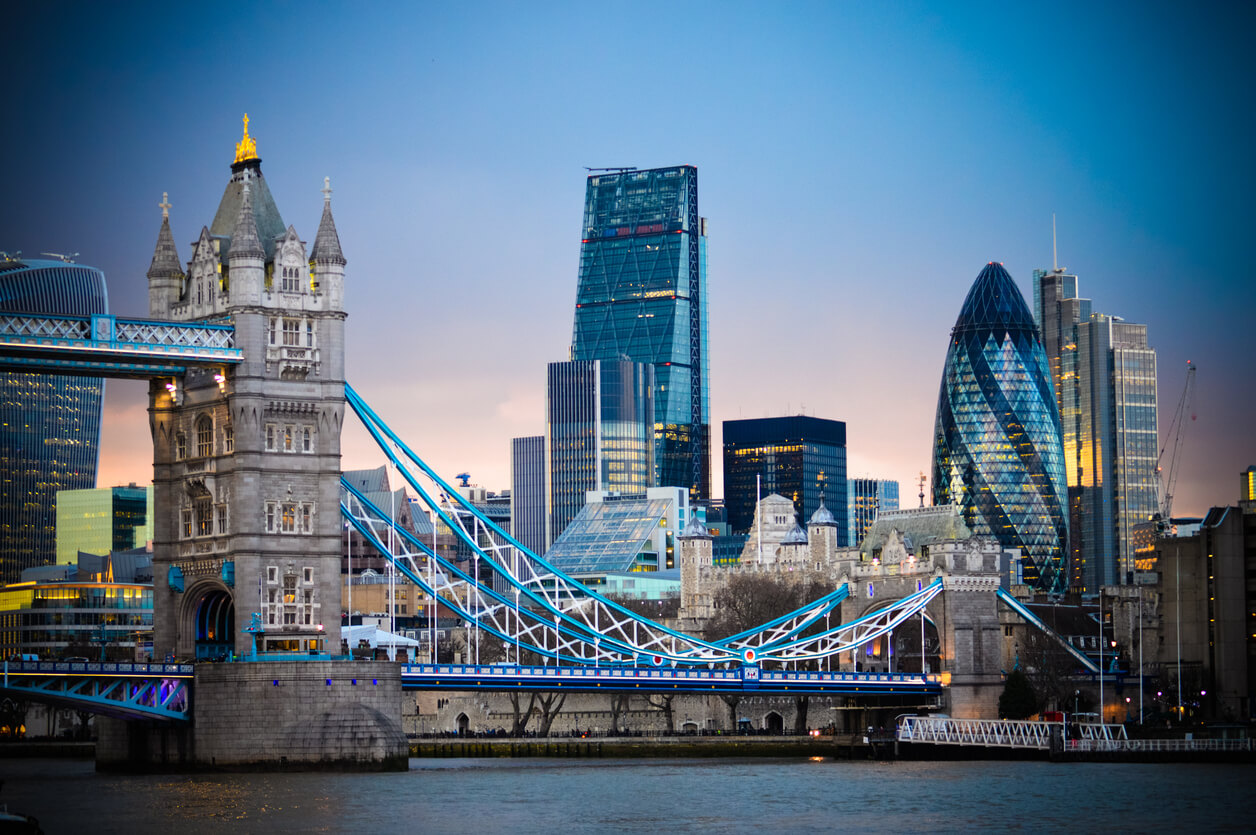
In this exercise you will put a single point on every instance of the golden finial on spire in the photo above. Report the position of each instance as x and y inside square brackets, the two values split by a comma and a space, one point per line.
[246, 148]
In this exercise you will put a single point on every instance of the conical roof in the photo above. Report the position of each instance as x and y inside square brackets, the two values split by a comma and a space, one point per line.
[166, 254]
[270, 225]
[327, 241]
[244, 240]
[695, 530]
[823, 516]
[795, 537]
[995, 303]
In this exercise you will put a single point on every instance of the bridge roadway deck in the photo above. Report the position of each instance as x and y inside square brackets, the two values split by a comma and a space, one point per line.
[127, 691]
[504, 677]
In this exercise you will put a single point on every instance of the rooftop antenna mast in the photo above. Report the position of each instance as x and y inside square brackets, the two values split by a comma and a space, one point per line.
[1055, 255]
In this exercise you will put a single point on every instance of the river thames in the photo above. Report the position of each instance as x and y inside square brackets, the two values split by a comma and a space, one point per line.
[646, 796]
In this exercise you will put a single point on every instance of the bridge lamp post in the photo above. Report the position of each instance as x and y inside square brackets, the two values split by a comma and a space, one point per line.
[558, 644]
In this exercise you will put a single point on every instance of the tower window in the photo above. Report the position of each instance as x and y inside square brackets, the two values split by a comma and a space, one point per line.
[287, 439]
[309, 334]
[307, 440]
[292, 332]
[270, 437]
[228, 438]
[204, 436]
[180, 446]
[271, 332]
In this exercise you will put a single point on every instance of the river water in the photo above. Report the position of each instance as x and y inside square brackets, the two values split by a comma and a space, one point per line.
[644, 796]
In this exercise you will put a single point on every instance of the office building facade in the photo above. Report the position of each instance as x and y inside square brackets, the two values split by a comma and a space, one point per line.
[103, 520]
[49, 424]
[865, 498]
[527, 492]
[599, 434]
[642, 296]
[1104, 374]
[997, 442]
[801, 458]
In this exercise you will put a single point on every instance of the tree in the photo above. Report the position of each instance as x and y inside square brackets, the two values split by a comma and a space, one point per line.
[1018, 700]
[520, 724]
[1050, 668]
[551, 705]
[619, 706]
[733, 700]
[663, 701]
[750, 600]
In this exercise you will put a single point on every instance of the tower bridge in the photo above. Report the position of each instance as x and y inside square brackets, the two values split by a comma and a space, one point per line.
[244, 351]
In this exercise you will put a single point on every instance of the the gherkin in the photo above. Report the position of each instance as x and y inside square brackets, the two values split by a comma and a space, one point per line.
[997, 441]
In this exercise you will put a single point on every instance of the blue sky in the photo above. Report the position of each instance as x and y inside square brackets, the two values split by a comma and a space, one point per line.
[859, 164]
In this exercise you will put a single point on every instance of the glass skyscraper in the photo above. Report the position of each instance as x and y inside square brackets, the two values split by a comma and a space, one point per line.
[865, 498]
[527, 492]
[1104, 374]
[598, 434]
[642, 297]
[997, 449]
[103, 520]
[797, 457]
[49, 424]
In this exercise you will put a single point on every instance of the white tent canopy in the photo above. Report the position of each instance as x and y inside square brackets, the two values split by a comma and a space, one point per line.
[374, 636]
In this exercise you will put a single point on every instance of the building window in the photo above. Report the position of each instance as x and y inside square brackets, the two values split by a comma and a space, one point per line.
[204, 517]
[271, 331]
[291, 280]
[270, 521]
[228, 438]
[272, 574]
[287, 439]
[180, 446]
[204, 436]
[288, 523]
[289, 589]
[307, 440]
[186, 523]
[292, 332]
[308, 575]
[309, 334]
[270, 437]
[222, 518]
[305, 519]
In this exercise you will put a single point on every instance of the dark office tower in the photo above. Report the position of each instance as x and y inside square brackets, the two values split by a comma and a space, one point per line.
[49, 424]
[997, 450]
[642, 296]
[597, 434]
[1104, 375]
[527, 492]
[797, 457]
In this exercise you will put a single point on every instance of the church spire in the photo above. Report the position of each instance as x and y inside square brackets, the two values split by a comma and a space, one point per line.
[244, 240]
[327, 241]
[166, 254]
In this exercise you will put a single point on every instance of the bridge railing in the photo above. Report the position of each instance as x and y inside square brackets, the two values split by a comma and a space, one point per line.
[93, 668]
[1160, 745]
[999, 733]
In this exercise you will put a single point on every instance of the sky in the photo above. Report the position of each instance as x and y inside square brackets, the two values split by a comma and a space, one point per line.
[859, 163]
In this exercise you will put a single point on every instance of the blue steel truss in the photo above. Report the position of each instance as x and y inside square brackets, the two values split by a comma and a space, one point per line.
[125, 691]
[108, 346]
[513, 595]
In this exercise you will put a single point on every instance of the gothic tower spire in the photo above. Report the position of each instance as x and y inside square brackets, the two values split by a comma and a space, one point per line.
[165, 273]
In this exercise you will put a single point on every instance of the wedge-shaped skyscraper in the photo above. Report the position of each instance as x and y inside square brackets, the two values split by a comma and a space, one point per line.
[997, 445]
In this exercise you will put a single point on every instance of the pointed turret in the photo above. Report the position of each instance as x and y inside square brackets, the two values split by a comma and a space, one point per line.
[327, 242]
[165, 274]
[327, 261]
[244, 240]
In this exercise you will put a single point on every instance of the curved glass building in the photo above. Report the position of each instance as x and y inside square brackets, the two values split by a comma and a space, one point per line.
[997, 445]
[49, 424]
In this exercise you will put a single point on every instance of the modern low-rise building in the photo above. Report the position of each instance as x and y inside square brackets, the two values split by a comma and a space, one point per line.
[104, 519]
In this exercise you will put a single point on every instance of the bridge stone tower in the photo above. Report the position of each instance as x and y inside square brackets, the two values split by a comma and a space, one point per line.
[246, 460]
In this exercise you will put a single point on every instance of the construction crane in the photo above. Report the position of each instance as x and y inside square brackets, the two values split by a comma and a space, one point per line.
[464, 479]
[1177, 429]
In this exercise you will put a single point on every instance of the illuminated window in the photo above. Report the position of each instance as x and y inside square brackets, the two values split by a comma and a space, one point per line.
[288, 522]
[186, 523]
[287, 439]
[204, 516]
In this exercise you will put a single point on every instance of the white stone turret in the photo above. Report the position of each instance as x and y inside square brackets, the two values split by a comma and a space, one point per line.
[327, 261]
[696, 557]
[165, 274]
